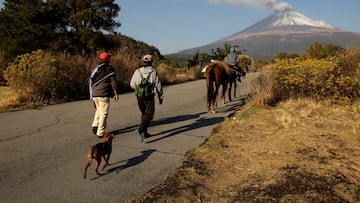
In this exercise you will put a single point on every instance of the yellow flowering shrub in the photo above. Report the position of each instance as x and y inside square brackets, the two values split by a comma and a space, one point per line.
[33, 75]
[315, 78]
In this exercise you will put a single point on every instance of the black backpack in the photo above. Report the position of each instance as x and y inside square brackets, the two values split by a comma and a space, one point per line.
[143, 89]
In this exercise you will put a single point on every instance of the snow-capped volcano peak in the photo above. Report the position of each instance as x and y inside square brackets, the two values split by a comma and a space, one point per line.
[284, 22]
[290, 17]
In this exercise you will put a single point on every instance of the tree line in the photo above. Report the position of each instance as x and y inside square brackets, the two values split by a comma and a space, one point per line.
[76, 27]
[69, 28]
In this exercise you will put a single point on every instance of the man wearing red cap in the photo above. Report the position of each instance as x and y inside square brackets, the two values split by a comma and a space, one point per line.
[102, 86]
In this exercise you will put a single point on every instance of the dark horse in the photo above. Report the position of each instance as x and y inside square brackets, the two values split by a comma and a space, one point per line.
[219, 74]
[233, 77]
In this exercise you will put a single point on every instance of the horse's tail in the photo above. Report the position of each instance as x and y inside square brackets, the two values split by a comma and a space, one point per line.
[210, 79]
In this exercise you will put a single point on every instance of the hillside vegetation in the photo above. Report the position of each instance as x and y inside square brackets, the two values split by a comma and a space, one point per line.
[41, 78]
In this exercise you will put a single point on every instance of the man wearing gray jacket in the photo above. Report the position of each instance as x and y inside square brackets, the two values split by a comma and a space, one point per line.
[147, 104]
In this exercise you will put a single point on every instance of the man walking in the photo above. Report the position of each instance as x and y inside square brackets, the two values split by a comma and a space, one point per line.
[102, 87]
[146, 103]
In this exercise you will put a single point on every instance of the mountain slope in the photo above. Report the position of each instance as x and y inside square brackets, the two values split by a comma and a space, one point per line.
[286, 31]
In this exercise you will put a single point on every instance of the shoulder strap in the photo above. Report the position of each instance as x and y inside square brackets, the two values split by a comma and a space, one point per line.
[148, 76]
[140, 74]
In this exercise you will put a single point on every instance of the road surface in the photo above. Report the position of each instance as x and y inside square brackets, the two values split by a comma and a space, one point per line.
[43, 151]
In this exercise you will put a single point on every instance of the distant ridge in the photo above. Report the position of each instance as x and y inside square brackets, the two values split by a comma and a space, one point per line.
[283, 31]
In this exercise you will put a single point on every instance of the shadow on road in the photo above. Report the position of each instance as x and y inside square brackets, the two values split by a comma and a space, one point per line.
[128, 163]
[176, 119]
[199, 123]
[124, 130]
[160, 122]
[235, 104]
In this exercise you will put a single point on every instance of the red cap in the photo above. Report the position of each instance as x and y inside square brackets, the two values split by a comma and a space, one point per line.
[105, 56]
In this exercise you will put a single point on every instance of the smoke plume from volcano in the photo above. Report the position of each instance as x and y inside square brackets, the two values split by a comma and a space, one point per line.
[271, 5]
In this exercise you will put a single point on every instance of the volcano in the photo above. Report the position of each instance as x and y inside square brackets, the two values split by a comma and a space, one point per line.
[284, 22]
[283, 31]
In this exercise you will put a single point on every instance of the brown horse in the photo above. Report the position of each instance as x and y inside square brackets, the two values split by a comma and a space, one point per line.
[219, 73]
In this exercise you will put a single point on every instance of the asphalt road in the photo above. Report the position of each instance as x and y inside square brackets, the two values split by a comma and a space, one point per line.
[43, 151]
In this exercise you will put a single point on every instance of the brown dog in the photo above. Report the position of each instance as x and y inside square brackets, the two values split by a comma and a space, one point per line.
[100, 150]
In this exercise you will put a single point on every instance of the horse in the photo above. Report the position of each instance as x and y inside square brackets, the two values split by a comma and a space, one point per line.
[233, 77]
[217, 74]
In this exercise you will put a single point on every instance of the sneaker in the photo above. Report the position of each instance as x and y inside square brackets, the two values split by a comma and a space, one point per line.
[100, 137]
[140, 137]
[94, 130]
[147, 135]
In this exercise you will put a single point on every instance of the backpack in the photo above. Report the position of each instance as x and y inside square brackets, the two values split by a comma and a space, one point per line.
[143, 89]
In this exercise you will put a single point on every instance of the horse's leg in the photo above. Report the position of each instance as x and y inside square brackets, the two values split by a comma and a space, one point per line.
[217, 87]
[235, 88]
[229, 91]
[224, 88]
[209, 93]
[213, 103]
[210, 79]
[234, 81]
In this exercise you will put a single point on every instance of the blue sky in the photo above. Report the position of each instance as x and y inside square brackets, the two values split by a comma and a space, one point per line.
[175, 25]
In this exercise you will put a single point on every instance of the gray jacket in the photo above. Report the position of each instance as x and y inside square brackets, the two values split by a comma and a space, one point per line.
[233, 58]
[154, 79]
[103, 81]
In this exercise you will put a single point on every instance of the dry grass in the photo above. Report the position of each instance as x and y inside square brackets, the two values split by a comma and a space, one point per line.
[298, 151]
[11, 100]
[7, 97]
[260, 87]
[171, 75]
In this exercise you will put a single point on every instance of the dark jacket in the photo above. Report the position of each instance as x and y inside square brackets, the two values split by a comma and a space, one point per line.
[103, 81]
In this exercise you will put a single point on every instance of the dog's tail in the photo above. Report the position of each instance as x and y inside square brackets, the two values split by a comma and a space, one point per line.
[89, 160]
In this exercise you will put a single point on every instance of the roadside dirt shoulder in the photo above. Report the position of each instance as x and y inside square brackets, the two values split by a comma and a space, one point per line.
[299, 151]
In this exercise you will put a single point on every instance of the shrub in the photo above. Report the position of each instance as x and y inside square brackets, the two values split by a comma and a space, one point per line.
[42, 77]
[314, 78]
[2, 68]
[72, 76]
[260, 87]
[33, 75]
